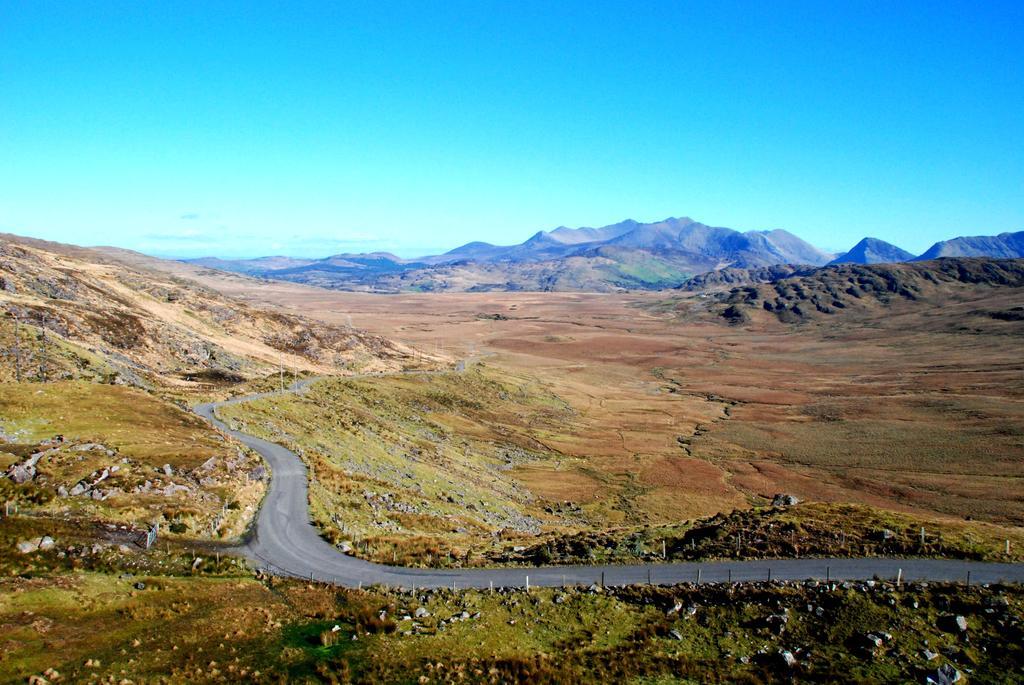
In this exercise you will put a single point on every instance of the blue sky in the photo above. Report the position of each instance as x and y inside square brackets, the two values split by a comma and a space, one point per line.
[312, 128]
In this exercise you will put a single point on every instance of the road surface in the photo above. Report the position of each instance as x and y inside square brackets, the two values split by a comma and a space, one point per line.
[286, 543]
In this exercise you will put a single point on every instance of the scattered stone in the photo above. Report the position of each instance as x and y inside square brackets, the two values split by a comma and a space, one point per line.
[675, 634]
[140, 585]
[788, 658]
[421, 612]
[961, 624]
[929, 655]
[168, 471]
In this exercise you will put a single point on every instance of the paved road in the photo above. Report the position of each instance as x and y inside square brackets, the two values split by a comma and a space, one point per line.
[286, 543]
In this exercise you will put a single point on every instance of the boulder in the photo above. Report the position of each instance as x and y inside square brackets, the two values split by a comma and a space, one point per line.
[946, 675]
[22, 473]
[28, 546]
[784, 500]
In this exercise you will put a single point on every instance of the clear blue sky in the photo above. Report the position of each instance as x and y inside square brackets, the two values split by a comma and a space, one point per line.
[312, 128]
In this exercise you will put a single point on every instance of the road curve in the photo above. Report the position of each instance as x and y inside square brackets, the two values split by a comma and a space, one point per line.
[286, 543]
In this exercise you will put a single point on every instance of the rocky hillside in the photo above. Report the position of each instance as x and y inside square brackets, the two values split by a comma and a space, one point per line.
[68, 312]
[852, 287]
[732, 277]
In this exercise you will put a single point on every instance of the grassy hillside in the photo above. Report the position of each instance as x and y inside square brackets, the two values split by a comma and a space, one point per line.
[116, 454]
[421, 469]
[145, 328]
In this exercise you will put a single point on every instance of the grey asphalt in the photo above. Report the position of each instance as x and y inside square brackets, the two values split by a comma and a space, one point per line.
[285, 542]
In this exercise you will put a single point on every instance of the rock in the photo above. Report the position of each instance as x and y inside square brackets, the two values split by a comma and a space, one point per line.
[45, 543]
[27, 546]
[22, 473]
[961, 624]
[946, 675]
[421, 612]
[777, 623]
[929, 655]
[208, 464]
[788, 658]
[168, 471]
[174, 488]
[140, 585]
[62, 491]
[78, 489]
[675, 634]
[784, 500]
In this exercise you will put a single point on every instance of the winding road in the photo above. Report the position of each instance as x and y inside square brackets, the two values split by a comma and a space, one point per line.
[285, 542]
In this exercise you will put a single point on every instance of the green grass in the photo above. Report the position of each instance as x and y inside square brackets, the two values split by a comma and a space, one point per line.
[215, 629]
[437, 453]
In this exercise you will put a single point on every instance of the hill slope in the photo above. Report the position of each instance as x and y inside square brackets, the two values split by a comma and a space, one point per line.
[82, 312]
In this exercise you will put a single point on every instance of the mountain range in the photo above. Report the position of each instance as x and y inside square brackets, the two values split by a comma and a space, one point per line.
[625, 255]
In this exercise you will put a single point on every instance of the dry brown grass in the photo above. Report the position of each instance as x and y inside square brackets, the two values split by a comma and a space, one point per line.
[909, 407]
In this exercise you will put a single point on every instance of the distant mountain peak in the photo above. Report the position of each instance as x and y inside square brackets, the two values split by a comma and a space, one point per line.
[1004, 245]
[873, 251]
